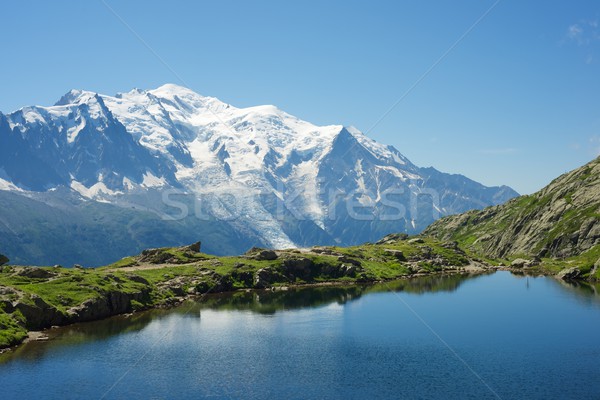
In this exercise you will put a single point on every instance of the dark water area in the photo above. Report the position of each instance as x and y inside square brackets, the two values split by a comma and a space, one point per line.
[455, 337]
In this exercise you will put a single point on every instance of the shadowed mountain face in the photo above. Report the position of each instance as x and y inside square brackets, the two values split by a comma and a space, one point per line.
[262, 173]
[561, 220]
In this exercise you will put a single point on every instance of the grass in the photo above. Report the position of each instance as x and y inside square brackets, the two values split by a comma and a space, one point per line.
[584, 262]
[12, 331]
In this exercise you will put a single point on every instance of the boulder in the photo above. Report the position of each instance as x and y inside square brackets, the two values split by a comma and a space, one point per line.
[3, 259]
[397, 254]
[195, 247]
[569, 273]
[266, 255]
[36, 273]
[393, 238]
[257, 253]
[520, 263]
[416, 240]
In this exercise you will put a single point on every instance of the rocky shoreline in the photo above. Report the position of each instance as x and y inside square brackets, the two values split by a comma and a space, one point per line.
[33, 299]
[119, 303]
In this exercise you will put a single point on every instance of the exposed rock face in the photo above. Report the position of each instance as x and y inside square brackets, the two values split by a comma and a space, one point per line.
[397, 254]
[561, 220]
[3, 259]
[112, 303]
[265, 277]
[300, 267]
[569, 273]
[39, 314]
[342, 270]
[520, 263]
[392, 238]
[33, 272]
[156, 256]
[195, 247]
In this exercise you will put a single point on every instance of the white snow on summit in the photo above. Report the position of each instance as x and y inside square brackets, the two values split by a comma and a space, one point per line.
[174, 137]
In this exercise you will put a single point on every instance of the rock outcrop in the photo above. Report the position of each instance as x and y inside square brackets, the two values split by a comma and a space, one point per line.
[559, 221]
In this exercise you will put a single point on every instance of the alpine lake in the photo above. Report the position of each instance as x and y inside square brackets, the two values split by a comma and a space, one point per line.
[492, 336]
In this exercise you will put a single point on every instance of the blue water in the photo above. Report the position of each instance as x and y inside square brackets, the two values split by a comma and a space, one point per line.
[488, 337]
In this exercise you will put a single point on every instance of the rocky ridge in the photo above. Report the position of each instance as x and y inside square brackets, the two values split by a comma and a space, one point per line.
[560, 222]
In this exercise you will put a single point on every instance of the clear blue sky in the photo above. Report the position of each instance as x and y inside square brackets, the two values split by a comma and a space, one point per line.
[516, 102]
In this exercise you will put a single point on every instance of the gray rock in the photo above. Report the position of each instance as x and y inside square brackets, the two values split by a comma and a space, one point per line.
[348, 260]
[520, 263]
[257, 253]
[397, 254]
[195, 247]
[38, 314]
[112, 303]
[36, 273]
[393, 238]
[297, 265]
[265, 277]
[155, 256]
[569, 273]
[266, 255]
[558, 220]
[326, 251]
[416, 240]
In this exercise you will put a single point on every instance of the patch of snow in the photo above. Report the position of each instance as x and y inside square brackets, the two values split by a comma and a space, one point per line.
[73, 131]
[94, 191]
[6, 185]
[128, 184]
[150, 180]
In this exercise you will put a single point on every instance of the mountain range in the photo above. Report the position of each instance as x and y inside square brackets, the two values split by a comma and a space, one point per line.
[107, 176]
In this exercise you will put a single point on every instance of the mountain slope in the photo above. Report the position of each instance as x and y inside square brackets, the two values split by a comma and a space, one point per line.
[262, 172]
[62, 229]
[559, 221]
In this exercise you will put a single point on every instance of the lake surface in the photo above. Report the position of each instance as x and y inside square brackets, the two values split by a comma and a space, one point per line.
[486, 337]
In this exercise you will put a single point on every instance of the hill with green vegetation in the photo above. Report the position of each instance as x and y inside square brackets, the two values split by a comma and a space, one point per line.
[557, 227]
[36, 298]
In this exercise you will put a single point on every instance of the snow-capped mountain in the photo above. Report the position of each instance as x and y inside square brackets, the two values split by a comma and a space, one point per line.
[267, 174]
